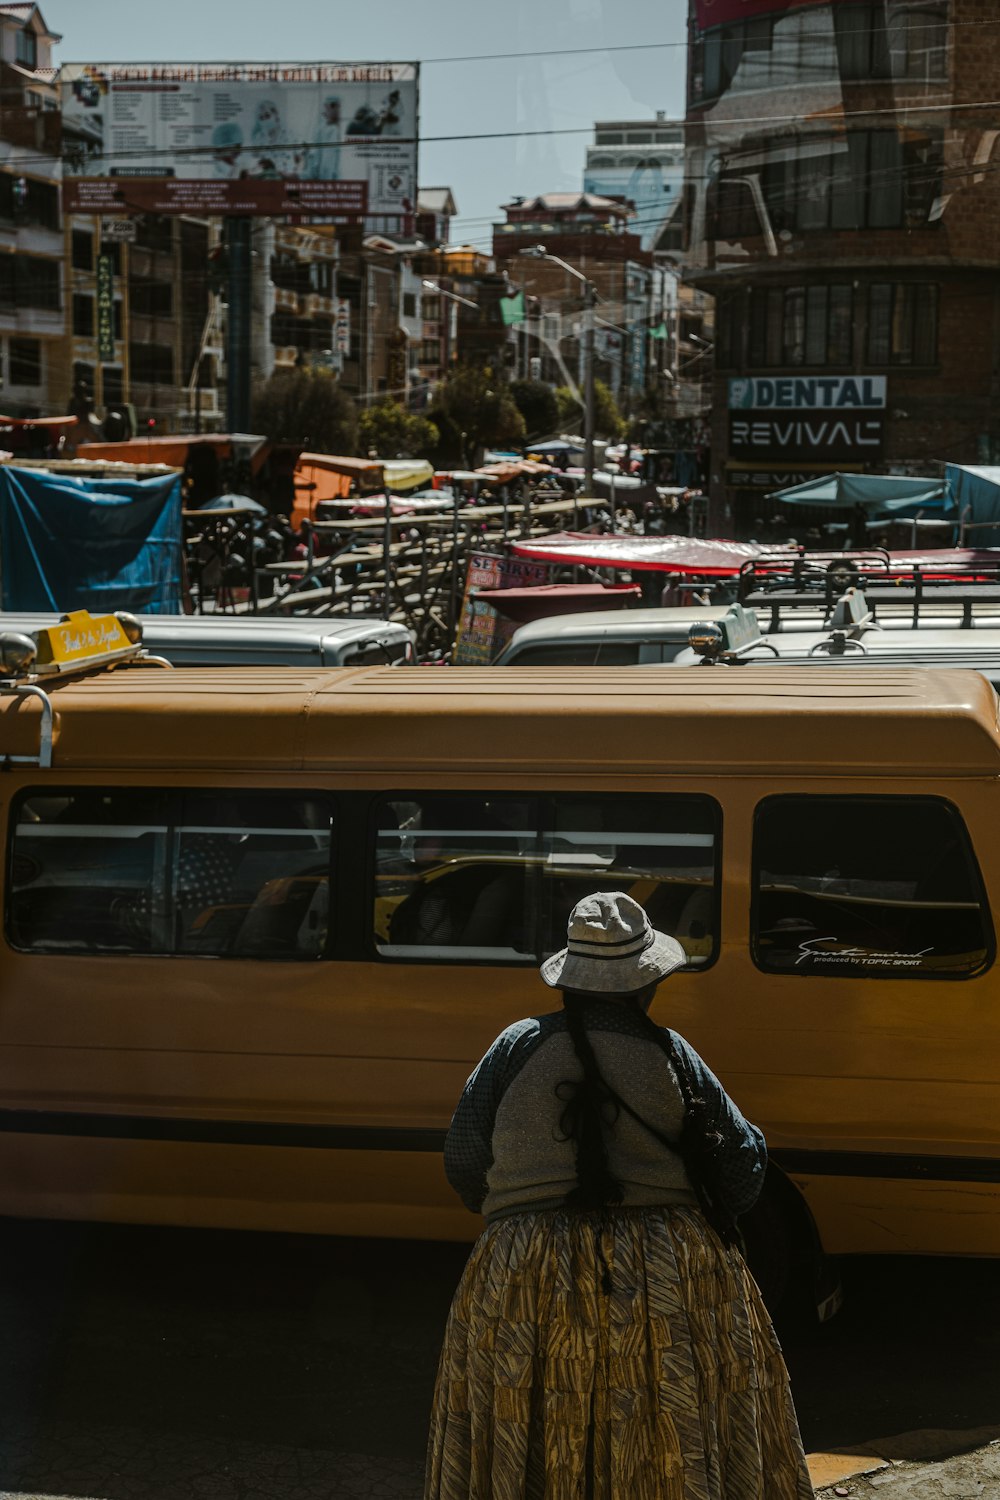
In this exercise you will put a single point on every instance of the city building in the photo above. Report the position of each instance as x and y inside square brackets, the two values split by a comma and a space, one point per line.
[32, 303]
[641, 162]
[592, 234]
[842, 205]
[295, 303]
[160, 349]
[380, 285]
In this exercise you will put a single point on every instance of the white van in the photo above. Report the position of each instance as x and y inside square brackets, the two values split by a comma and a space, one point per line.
[259, 641]
[606, 637]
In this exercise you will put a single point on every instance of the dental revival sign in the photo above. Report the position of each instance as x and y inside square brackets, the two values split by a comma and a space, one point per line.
[820, 418]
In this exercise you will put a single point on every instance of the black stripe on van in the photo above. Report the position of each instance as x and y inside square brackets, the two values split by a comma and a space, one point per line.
[402, 1138]
[887, 1165]
[221, 1132]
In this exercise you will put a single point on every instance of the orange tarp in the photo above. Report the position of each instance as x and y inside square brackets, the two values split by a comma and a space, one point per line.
[159, 450]
[325, 476]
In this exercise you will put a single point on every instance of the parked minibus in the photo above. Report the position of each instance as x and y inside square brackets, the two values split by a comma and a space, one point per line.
[606, 637]
[259, 640]
[259, 926]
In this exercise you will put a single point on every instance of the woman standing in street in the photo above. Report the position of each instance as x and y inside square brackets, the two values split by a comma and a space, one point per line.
[605, 1342]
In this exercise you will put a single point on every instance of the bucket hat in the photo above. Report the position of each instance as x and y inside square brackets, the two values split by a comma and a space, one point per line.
[611, 948]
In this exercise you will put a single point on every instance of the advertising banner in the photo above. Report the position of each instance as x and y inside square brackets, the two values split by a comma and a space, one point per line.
[316, 140]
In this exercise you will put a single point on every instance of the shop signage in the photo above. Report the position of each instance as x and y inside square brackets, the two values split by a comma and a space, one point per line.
[105, 309]
[482, 631]
[807, 436]
[807, 392]
[342, 326]
[122, 230]
[767, 479]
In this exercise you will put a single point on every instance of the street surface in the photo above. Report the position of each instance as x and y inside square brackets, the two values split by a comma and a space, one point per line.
[152, 1364]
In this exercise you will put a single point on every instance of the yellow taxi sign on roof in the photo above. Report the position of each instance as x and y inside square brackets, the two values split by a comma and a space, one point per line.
[82, 639]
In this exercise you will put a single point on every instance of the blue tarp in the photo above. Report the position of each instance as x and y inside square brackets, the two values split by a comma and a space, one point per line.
[97, 544]
[879, 494]
[976, 489]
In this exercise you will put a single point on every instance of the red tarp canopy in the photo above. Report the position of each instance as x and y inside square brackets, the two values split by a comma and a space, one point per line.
[558, 599]
[668, 554]
[710, 558]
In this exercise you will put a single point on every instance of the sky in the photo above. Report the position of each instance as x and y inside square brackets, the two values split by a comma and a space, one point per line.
[549, 89]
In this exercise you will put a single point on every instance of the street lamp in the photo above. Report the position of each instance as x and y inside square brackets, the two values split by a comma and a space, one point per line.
[442, 291]
[539, 252]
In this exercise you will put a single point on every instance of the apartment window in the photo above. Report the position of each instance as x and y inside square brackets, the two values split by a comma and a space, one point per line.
[793, 326]
[431, 307]
[113, 385]
[729, 317]
[82, 252]
[24, 362]
[83, 316]
[430, 352]
[219, 873]
[26, 49]
[867, 888]
[872, 179]
[151, 299]
[409, 304]
[904, 39]
[26, 200]
[765, 52]
[154, 232]
[903, 323]
[152, 364]
[918, 40]
[113, 250]
[486, 878]
[320, 275]
[27, 281]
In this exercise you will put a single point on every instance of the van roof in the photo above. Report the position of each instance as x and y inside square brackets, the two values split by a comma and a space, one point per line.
[246, 630]
[642, 624]
[427, 723]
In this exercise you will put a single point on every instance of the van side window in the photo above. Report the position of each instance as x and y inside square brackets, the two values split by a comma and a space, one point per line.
[219, 873]
[578, 654]
[867, 888]
[493, 877]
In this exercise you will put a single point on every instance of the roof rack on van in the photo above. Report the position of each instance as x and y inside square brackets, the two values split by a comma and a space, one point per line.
[80, 642]
[799, 579]
[728, 640]
[731, 640]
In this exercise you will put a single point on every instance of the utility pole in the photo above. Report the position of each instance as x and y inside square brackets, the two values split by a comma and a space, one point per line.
[539, 252]
[237, 239]
[590, 299]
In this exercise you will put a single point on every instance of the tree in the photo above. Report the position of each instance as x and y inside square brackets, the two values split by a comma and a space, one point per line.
[308, 407]
[608, 420]
[393, 432]
[537, 404]
[474, 406]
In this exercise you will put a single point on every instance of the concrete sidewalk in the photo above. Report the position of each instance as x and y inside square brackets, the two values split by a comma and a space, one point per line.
[912, 1467]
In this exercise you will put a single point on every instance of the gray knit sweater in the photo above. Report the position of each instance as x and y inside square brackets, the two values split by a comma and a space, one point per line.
[504, 1153]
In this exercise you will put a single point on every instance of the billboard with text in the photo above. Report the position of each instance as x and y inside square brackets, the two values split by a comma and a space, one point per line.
[317, 140]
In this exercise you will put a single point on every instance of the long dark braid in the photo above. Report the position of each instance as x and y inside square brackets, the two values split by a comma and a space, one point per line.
[589, 1103]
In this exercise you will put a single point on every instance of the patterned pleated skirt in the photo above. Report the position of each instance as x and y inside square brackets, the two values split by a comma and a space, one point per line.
[624, 1355]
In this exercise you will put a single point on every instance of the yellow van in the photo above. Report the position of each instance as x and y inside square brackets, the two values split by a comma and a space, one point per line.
[259, 924]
